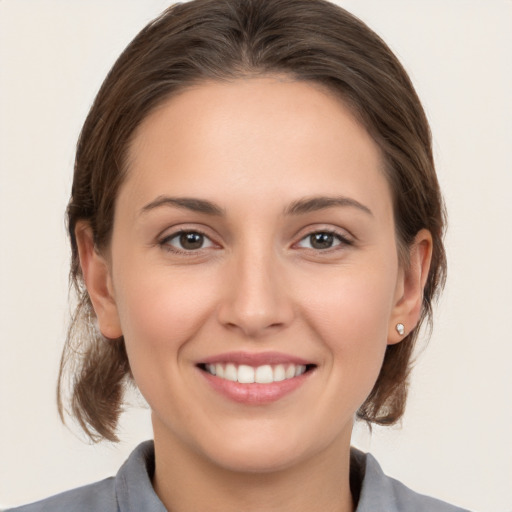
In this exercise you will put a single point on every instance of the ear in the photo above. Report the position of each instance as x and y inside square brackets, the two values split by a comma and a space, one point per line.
[98, 281]
[410, 285]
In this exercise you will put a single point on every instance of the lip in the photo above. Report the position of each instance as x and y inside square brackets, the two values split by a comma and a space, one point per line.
[255, 393]
[255, 358]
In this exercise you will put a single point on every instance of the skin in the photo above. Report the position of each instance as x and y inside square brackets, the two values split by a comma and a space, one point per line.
[253, 148]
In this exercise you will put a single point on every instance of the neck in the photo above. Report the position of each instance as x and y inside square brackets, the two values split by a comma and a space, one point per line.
[187, 482]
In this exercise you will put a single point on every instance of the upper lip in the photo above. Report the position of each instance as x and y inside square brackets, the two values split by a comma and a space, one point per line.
[255, 358]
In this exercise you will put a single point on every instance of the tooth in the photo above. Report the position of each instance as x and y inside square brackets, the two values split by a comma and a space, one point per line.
[264, 374]
[245, 374]
[299, 370]
[290, 372]
[230, 373]
[219, 370]
[279, 373]
[211, 369]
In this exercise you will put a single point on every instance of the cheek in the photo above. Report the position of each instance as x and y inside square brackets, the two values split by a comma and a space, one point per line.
[159, 313]
[152, 313]
[357, 304]
[351, 317]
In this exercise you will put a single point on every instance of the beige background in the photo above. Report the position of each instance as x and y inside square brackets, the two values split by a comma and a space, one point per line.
[455, 441]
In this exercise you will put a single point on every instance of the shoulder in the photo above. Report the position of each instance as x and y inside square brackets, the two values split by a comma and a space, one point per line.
[381, 492]
[98, 496]
[129, 491]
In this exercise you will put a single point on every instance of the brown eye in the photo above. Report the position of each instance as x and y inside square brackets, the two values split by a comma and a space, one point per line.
[187, 241]
[323, 240]
[191, 241]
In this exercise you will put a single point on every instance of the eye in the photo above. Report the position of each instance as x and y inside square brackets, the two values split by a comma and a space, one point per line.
[322, 240]
[187, 241]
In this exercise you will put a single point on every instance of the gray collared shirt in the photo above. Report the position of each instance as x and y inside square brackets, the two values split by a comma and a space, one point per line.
[131, 490]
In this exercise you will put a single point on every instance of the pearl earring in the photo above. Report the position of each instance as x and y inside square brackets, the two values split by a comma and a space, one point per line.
[400, 329]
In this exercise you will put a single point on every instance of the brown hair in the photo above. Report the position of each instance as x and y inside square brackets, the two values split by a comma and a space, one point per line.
[310, 40]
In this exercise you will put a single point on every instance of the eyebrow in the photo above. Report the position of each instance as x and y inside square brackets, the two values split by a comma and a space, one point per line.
[298, 207]
[187, 203]
[317, 203]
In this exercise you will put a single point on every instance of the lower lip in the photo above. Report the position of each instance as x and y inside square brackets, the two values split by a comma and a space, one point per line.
[255, 393]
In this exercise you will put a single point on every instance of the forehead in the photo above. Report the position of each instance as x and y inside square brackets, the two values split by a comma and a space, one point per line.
[267, 135]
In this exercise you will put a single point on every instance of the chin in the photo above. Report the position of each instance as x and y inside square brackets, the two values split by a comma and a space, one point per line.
[257, 460]
[265, 448]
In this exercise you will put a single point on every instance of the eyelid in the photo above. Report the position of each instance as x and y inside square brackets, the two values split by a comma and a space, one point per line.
[344, 237]
[163, 240]
[179, 233]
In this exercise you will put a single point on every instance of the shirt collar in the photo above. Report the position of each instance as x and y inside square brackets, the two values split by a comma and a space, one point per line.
[134, 490]
[133, 487]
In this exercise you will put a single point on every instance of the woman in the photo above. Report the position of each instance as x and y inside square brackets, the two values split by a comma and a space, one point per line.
[256, 230]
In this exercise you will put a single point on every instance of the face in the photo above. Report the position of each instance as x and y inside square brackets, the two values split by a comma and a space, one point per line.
[253, 271]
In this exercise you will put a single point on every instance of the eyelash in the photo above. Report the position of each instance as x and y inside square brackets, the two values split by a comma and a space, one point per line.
[165, 242]
[343, 240]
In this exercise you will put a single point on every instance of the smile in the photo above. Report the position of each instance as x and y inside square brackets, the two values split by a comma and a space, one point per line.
[255, 378]
[264, 374]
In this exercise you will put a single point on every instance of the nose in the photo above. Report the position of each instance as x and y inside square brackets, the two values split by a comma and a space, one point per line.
[256, 299]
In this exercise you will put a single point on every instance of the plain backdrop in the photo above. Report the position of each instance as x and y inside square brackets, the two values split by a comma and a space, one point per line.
[455, 441]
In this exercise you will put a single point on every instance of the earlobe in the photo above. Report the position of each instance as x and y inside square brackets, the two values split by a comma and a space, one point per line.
[412, 279]
[98, 281]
